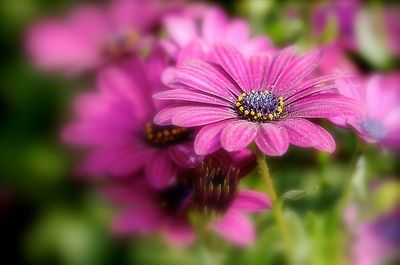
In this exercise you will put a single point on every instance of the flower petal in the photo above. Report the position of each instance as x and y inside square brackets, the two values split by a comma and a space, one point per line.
[184, 155]
[142, 220]
[190, 96]
[160, 170]
[272, 139]
[208, 139]
[180, 233]
[235, 227]
[251, 201]
[237, 135]
[304, 133]
[234, 64]
[259, 64]
[199, 115]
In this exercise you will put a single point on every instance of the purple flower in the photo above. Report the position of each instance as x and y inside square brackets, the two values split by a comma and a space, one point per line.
[91, 36]
[193, 34]
[379, 122]
[209, 193]
[266, 98]
[378, 239]
[116, 121]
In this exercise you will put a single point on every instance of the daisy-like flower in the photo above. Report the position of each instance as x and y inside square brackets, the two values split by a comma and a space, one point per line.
[116, 122]
[379, 121]
[210, 192]
[266, 98]
[193, 34]
[91, 36]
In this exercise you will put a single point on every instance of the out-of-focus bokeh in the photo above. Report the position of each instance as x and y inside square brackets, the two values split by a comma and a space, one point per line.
[50, 215]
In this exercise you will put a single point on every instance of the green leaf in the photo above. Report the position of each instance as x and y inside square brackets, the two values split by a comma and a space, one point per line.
[299, 194]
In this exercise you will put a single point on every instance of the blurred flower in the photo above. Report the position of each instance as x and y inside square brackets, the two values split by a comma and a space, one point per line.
[378, 239]
[116, 122]
[208, 193]
[91, 36]
[266, 98]
[343, 14]
[379, 122]
[192, 35]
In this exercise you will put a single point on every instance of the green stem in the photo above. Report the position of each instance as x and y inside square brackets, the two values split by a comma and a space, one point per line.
[276, 205]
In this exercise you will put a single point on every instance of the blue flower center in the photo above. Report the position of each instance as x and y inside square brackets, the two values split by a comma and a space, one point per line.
[259, 106]
[373, 128]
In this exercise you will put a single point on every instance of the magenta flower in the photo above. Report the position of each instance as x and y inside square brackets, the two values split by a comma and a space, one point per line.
[193, 34]
[91, 36]
[210, 190]
[266, 98]
[115, 121]
[343, 13]
[379, 122]
[377, 240]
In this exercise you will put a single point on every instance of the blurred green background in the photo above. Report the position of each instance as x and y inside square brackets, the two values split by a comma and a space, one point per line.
[50, 216]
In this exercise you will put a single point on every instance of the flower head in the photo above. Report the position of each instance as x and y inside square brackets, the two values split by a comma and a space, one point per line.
[116, 122]
[91, 36]
[266, 98]
[209, 192]
[379, 121]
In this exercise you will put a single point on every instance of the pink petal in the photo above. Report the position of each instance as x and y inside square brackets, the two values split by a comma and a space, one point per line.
[184, 155]
[208, 138]
[279, 62]
[214, 24]
[182, 30]
[324, 105]
[197, 116]
[297, 70]
[256, 45]
[235, 227]
[272, 139]
[304, 133]
[164, 117]
[234, 64]
[142, 220]
[237, 32]
[259, 64]
[180, 233]
[203, 77]
[238, 134]
[190, 96]
[160, 170]
[251, 201]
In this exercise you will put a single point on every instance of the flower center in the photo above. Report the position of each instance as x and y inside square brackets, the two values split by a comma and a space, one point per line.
[373, 128]
[160, 136]
[215, 188]
[121, 44]
[259, 106]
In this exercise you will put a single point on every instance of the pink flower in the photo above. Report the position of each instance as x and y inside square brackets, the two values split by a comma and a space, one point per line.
[209, 192]
[379, 122]
[91, 36]
[343, 13]
[266, 98]
[377, 240]
[193, 34]
[115, 121]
